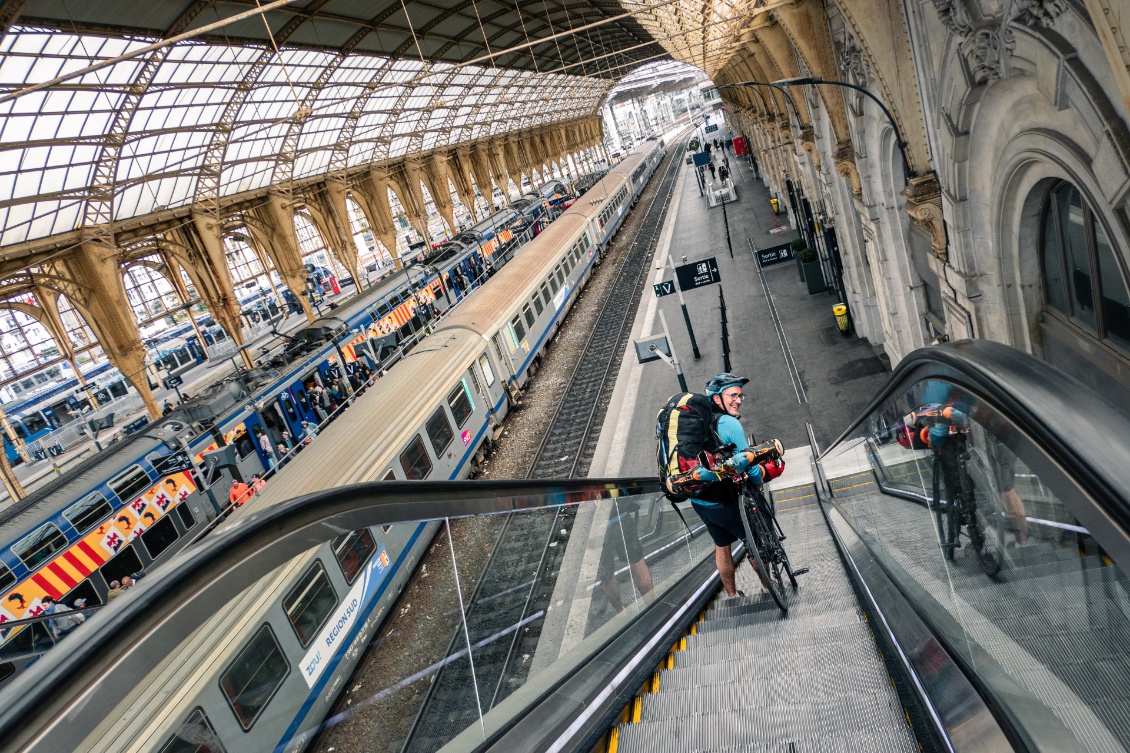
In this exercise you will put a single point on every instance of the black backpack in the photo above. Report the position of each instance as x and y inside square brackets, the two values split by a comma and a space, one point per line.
[686, 430]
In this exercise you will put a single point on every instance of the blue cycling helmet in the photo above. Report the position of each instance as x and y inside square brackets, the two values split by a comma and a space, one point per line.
[715, 385]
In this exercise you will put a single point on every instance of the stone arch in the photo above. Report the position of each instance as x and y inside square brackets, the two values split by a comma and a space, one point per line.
[1032, 165]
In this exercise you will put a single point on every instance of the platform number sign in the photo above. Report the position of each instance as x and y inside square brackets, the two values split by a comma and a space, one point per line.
[698, 274]
[667, 287]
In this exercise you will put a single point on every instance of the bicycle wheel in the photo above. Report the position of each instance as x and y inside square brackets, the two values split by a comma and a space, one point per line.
[778, 535]
[947, 532]
[985, 524]
[755, 533]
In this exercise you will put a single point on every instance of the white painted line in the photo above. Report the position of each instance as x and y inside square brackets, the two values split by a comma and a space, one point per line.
[787, 351]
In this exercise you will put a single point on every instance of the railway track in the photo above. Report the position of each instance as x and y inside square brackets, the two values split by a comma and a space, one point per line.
[506, 612]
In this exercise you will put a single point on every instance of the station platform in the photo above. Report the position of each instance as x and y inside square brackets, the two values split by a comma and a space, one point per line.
[801, 368]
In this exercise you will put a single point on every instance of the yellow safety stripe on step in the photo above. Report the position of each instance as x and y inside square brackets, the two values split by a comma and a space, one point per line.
[655, 682]
[683, 641]
[694, 628]
[637, 708]
[614, 740]
[670, 661]
[850, 475]
[853, 486]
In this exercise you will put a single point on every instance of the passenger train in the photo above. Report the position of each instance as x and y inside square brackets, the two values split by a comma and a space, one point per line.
[263, 673]
[113, 514]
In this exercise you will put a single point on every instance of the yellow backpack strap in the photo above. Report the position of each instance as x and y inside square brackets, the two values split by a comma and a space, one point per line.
[673, 435]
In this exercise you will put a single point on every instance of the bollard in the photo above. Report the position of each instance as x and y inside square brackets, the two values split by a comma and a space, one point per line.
[841, 312]
[775, 204]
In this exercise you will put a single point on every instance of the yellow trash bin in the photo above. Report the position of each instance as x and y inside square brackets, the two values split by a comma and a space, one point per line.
[776, 205]
[841, 312]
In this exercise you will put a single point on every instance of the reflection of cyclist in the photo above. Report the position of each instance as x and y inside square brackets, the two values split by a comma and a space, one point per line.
[622, 538]
[944, 418]
[717, 504]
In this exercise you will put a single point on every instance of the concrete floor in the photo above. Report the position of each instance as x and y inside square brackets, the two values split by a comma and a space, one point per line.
[834, 375]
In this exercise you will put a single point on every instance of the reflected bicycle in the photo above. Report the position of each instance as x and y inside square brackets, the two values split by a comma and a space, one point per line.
[763, 537]
[962, 481]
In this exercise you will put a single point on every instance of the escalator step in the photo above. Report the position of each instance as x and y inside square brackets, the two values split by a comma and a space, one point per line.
[809, 727]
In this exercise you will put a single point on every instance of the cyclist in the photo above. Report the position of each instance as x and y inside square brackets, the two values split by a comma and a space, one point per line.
[717, 504]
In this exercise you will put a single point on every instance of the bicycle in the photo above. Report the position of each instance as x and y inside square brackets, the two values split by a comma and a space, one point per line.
[763, 537]
[968, 504]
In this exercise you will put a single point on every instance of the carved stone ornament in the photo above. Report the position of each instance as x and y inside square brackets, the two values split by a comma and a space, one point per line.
[853, 63]
[987, 51]
[924, 204]
[987, 41]
[844, 159]
[1040, 12]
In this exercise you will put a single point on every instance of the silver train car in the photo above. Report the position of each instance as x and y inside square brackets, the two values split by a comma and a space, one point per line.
[264, 673]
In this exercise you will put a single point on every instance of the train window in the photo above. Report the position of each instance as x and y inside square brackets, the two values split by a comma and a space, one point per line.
[488, 372]
[460, 404]
[254, 677]
[561, 274]
[382, 311]
[7, 578]
[390, 475]
[439, 431]
[159, 537]
[529, 314]
[545, 296]
[519, 332]
[87, 512]
[130, 483]
[125, 562]
[414, 460]
[34, 423]
[353, 550]
[553, 282]
[536, 300]
[475, 381]
[310, 603]
[36, 547]
[186, 516]
[305, 401]
[196, 735]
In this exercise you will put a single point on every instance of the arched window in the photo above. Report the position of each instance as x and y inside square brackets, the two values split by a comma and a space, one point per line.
[371, 254]
[150, 294]
[1083, 277]
[315, 252]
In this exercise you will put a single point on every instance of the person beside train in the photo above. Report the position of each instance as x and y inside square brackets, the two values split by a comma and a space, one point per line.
[268, 449]
[115, 591]
[257, 484]
[240, 493]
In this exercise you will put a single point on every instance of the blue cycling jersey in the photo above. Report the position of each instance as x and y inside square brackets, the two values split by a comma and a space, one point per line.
[730, 432]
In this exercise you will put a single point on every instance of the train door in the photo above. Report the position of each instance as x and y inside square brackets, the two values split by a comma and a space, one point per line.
[302, 401]
[289, 409]
[503, 354]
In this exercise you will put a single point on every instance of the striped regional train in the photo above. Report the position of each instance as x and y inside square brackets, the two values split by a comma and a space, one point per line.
[262, 674]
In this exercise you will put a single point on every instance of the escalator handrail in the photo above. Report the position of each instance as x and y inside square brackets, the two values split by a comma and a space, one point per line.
[164, 608]
[1087, 435]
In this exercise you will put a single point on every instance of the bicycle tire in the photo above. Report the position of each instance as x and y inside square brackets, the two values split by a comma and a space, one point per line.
[985, 528]
[946, 537]
[779, 547]
[751, 522]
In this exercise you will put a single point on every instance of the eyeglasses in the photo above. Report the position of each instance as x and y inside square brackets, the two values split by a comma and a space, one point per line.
[738, 396]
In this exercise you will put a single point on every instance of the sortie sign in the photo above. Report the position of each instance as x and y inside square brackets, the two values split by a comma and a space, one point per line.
[698, 274]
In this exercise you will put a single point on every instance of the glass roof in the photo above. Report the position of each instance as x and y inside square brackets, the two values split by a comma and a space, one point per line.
[182, 109]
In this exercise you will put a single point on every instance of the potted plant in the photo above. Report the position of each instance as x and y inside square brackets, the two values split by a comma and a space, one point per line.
[797, 246]
[810, 266]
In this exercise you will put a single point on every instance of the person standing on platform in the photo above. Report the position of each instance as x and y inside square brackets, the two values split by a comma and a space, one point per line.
[268, 449]
[723, 174]
[717, 504]
[239, 493]
[713, 170]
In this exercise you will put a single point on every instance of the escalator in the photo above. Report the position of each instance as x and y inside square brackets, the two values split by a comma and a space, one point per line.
[967, 539]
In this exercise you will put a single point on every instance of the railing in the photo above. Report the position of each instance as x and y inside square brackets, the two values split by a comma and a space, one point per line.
[74, 433]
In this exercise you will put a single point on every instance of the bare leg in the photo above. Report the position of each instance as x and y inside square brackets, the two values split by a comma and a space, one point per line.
[1016, 515]
[724, 559]
[642, 576]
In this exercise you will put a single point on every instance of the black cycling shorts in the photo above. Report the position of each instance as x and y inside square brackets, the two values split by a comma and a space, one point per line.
[723, 523]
